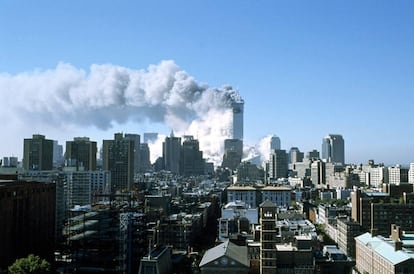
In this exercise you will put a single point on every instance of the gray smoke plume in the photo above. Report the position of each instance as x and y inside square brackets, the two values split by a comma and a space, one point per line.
[109, 94]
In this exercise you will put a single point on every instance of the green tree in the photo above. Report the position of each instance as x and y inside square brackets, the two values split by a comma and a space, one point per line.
[30, 264]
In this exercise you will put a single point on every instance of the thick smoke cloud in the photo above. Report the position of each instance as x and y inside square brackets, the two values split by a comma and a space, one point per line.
[109, 94]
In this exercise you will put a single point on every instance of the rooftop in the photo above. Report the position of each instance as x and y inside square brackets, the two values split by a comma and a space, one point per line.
[228, 249]
[384, 247]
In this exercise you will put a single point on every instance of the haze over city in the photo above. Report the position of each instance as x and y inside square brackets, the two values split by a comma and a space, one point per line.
[303, 69]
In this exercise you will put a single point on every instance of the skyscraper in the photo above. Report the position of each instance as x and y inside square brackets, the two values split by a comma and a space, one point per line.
[38, 153]
[171, 149]
[136, 138]
[145, 164]
[118, 158]
[274, 143]
[333, 150]
[238, 109]
[233, 153]
[295, 155]
[81, 153]
[278, 164]
[191, 157]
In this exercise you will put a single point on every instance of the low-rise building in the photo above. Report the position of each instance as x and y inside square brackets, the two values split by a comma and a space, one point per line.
[225, 258]
[378, 254]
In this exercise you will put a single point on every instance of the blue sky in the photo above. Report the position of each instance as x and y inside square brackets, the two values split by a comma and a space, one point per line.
[304, 68]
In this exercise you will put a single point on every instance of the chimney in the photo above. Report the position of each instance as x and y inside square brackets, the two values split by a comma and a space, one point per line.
[396, 232]
[398, 245]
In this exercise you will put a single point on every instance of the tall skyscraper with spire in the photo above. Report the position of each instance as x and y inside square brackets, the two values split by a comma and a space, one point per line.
[333, 149]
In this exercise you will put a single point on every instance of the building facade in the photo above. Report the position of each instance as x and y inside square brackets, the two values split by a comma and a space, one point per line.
[38, 153]
[118, 158]
[333, 149]
[27, 217]
[81, 153]
[171, 150]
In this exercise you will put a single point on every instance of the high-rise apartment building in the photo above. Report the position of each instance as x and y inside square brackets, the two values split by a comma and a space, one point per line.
[118, 158]
[333, 149]
[238, 107]
[81, 153]
[171, 150]
[397, 175]
[38, 153]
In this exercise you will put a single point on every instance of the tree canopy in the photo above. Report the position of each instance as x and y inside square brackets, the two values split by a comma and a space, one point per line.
[30, 264]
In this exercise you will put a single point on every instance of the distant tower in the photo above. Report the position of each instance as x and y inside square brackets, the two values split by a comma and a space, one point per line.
[118, 158]
[136, 138]
[333, 149]
[38, 153]
[233, 152]
[192, 162]
[145, 164]
[274, 143]
[171, 149]
[238, 109]
[295, 155]
[57, 154]
[278, 164]
[81, 153]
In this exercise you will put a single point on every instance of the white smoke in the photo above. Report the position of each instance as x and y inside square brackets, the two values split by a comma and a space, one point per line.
[260, 152]
[108, 94]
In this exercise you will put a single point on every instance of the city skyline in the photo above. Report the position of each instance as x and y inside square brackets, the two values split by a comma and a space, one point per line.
[304, 70]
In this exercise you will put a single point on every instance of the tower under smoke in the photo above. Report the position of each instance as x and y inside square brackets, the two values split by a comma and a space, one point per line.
[237, 107]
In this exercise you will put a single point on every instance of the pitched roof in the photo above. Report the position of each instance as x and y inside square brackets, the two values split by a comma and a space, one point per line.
[228, 249]
[267, 203]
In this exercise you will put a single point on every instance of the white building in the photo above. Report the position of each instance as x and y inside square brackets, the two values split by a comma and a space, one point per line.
[411, 174]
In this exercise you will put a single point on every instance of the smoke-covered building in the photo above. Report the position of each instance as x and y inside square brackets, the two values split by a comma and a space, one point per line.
[233, 152]
[145, 164]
